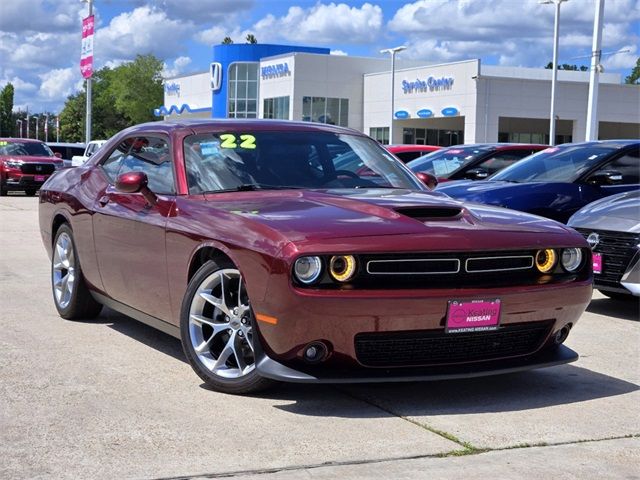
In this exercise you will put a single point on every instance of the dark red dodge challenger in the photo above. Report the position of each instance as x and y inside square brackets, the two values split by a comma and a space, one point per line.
[244, 240]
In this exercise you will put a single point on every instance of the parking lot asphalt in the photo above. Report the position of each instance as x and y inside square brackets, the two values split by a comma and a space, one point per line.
[112, 398]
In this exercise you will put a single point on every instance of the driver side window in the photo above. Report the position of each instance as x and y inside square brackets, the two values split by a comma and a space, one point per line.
[628, 165]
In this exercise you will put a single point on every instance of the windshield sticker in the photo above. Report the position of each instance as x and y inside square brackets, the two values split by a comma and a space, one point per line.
[592, 157]
[210, 148]
[550, 150]
[229, 141]
[454, 151]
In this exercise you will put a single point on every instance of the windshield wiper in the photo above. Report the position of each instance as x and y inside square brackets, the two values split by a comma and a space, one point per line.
[251, 187]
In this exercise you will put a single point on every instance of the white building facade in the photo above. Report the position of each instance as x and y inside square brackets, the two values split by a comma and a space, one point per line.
[445, 104]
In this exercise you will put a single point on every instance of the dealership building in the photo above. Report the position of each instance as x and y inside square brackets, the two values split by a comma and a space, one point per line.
[444, 104]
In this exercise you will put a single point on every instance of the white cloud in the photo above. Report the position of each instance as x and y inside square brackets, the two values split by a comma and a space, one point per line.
[441, 30]
[322, 24]
[40, 16]
[178, 66]
[197, 11]
[59, 83]
[626, 58]
[142, 31]
[338, 52]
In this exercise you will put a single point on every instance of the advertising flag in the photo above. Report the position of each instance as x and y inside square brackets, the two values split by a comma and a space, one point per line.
[86, 53]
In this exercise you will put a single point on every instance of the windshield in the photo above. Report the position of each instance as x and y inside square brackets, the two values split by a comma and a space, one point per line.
[444, 162]
[267, 159]
[16, 148]
[555, 164]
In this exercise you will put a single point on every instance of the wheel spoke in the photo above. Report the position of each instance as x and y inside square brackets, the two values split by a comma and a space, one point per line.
[240, 293]
[216, 302]
[226, 352]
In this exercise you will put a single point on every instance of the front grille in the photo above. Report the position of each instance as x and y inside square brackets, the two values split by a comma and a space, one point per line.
[37, 168]
[434, 347]
[617, 249]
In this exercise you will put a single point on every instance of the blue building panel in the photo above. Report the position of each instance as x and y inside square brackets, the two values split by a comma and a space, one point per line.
[226, 55]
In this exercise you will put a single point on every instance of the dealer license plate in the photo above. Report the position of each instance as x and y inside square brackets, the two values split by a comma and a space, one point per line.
[40, 178]
[597, 263]
[473, 315]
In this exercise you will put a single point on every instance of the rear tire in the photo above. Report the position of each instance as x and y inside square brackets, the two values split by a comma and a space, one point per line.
[217, 330]
[3, 189]
[71, 295]
[30, 192]
[618, 295]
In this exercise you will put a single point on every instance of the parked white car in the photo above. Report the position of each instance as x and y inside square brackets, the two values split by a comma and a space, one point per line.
[92, 147]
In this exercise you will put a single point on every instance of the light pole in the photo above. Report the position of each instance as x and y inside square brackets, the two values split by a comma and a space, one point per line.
[37, 117]
[46, 128]
[19, 123]
[393, 52]
[596, 69]
[57, 128]
[89, 89]
[28, 125]
[554, 77]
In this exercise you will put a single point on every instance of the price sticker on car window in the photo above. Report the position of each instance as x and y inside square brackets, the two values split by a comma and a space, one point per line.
[231, 141]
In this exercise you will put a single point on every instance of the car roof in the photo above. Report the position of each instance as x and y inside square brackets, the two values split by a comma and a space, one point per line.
[16, 139]
[613, 144]
[500, 145]
[65, 144]
[409, 147]
[237, 123]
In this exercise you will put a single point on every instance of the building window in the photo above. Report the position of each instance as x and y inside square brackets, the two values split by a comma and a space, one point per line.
[243, 90]
[277, 107]
[542, 138]
[381, 134]
[432, 136]
[334, 111]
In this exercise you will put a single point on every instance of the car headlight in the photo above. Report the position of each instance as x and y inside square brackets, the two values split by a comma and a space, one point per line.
[342, 267]
[571, 259]
[307, 269]
[13, 163]
[546, 260]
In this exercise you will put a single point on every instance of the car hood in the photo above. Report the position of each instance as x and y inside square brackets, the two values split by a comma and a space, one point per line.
[31, 159]
[618, 213]
[314, 214]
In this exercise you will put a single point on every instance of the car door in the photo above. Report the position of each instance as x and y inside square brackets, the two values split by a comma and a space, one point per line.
[129, 232]
[490, 164]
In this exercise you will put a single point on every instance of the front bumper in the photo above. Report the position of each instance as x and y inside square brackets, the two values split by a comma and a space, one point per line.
[22, 181]
[550, 357]
[337, 317]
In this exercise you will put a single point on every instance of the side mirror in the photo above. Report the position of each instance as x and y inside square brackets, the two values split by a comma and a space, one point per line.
[428, 179]
[605, 177]
[476, 174]
[57, 154]
[136, 182]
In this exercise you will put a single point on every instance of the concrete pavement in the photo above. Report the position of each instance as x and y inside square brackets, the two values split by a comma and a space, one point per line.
[113, 398]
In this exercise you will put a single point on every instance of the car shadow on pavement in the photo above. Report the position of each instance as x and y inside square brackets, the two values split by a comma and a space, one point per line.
[502, 393]
[560, 385]
[623, 309]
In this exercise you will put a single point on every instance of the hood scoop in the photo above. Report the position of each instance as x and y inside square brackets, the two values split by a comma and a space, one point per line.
[424, 214]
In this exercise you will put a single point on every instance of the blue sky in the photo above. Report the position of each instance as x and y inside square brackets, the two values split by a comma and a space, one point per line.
[39, 52]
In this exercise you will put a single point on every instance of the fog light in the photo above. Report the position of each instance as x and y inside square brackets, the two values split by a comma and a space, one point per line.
[571, 259]
[307, 269]
[546, 260]
[315, 352]
[342, 267]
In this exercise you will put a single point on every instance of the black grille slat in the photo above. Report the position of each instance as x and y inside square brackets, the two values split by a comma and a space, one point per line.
[434, 347]
[37, 168]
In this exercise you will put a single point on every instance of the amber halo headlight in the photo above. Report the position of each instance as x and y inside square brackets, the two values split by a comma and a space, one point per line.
[571, 259]
[342, 267]
[546, 260]
[307, 269]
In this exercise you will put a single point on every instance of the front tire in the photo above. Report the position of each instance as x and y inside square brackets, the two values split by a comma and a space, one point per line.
[30, 192]
[217, 330]
[3, 189]
[71, 295]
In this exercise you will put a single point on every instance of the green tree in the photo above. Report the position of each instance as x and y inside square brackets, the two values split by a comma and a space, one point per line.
[6, 107]
[251, 38]
[137, 88]
[72, 118]
[227, 41]
[566, 66]
[634, 77]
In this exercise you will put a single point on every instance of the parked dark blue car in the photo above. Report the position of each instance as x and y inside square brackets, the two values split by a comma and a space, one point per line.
[558, 181]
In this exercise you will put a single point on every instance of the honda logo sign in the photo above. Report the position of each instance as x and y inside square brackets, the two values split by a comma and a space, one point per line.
[215, 69]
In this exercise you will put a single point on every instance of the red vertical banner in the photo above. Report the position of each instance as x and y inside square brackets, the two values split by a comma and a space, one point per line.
[86, 53]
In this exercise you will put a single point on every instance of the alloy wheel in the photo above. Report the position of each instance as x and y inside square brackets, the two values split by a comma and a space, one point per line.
[64, 266]
[220, 325]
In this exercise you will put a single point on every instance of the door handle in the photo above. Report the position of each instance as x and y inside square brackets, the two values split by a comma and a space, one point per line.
[103, 200]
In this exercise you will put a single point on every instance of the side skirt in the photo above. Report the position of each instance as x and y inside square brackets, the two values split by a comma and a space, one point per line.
[154, 322]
